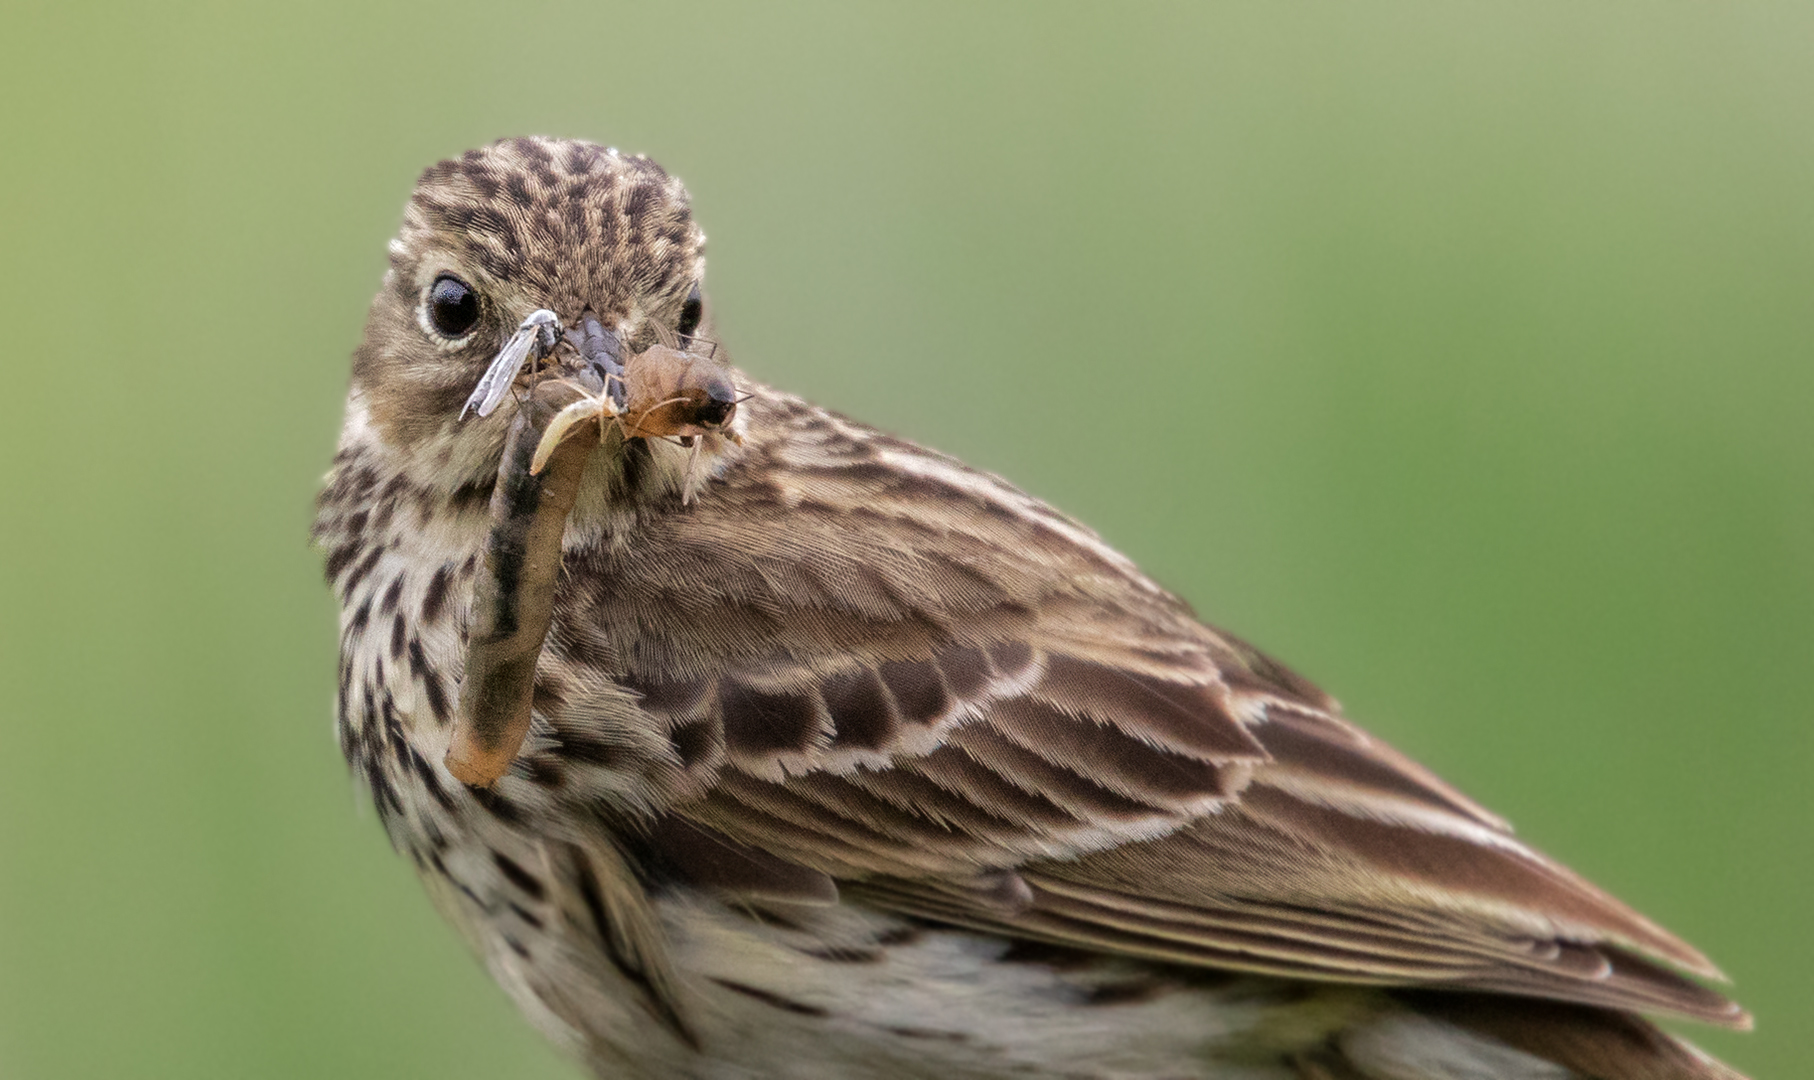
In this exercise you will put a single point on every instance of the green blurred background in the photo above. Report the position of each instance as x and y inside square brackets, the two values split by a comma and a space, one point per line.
[1458, 354]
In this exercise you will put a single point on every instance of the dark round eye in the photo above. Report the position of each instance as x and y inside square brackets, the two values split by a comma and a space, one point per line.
[690, 313]
[453, 308]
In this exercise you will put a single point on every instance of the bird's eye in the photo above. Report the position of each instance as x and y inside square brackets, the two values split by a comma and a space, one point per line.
[453, 307]
[690, 313]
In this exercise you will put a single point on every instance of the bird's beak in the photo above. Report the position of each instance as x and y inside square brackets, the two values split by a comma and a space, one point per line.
[602, 351]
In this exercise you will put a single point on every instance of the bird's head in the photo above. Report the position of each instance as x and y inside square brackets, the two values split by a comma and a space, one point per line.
[513, 249]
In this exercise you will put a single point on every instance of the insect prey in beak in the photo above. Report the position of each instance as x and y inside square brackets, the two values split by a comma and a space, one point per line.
[534, 339]
[662, 393]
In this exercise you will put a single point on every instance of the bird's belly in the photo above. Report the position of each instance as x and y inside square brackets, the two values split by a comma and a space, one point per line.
[710, 990]
[851, 993]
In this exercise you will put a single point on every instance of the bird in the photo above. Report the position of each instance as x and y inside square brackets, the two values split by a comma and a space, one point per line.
[842, 759]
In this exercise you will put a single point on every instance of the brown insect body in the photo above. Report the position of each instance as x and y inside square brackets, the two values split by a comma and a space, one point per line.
[513, 596]
[671, 392]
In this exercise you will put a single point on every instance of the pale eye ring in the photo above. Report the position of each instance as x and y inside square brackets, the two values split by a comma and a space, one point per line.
[452, 307]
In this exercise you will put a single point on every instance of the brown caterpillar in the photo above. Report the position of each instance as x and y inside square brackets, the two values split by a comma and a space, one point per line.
[513, 595]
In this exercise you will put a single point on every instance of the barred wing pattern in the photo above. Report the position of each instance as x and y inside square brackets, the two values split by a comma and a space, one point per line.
[884, 674]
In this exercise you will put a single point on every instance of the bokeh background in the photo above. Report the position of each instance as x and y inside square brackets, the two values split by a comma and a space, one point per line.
[1458, 354]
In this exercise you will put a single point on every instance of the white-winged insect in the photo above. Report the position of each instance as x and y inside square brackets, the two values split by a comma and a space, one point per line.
[534, 339]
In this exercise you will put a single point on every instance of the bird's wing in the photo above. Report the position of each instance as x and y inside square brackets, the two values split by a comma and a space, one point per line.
[878, 668]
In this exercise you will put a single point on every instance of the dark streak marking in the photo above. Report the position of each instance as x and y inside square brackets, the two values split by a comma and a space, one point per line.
[426, 773]
[862, 715]
[1046, 954]
[436, 596]
[917, 689]
[383, 794]
[586, 751]
[693, 743]
[339, 558]
[518, 876]
[361, 617]
[927, 1033]
[966, 671]
[845, 954]
[770, 998]
[437, 698]
[392, 595]
[1132, 992]
[366, 566]
[759, 722]
[544, 771]
[497, 805]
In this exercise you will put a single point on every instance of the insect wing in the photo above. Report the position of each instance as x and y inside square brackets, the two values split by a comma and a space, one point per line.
[495, 383]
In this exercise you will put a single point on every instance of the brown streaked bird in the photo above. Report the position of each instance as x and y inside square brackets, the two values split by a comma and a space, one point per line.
[847, 760]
